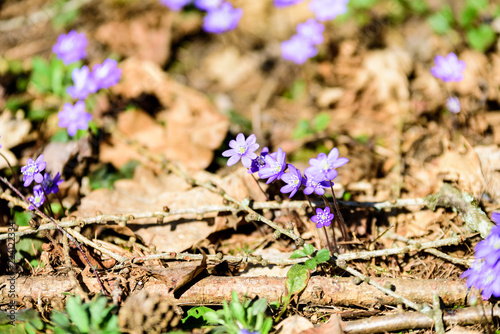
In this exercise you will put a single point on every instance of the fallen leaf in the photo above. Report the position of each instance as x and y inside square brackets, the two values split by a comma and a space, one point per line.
[13, 128]
[332, 326]
[294, 325]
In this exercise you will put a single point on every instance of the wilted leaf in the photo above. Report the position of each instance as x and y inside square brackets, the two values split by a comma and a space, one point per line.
[294, 325]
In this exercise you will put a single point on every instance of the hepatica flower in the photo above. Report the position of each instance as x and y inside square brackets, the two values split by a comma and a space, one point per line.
[322, 217]
[107, 74]
[32, 170]
[325, 10]
[485, 271]
[84, 83]
[70, 47]
[298, 49]
[38, 197]
[314, 184]
[207, 4]
[448, 68]
[284, 3]
[175, 5]
[293, 179]
[312, 30]
[74, 117]
[259, 162]
[275, 166]
[326, 165]
[222, 19]
[51, 185]
[453, 104]
[242, 149]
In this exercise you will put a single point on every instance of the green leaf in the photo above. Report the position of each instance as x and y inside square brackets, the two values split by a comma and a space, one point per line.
[321, 121]
[22, 218]
[296, 279]
[197, 312]
[266, 327]
[311, 264]
[40, 75]
[297, 254]
[237, 310]
[60, 136]
[60, 319]
[302, 129]
[57, 76]
[442, 20]
[323, 255]
[363, 4]
[418, 6]
[96, 309]
[212, 317]
[309, 249]
[258, 307]
[38, 114]
[78, 314]
[297, 90]
[481, 38]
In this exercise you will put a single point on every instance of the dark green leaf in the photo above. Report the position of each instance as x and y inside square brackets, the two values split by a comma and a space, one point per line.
[309, 249]
[297, 254]
[323, 255]
[311, 264]
[481, 38]
[78, 314]
[296, 279]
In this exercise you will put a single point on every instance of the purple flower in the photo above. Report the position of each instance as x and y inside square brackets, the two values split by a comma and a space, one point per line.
[242, 149]
[246, 331]
[322, 217]
[315, 184]
[325, 10]
[70, 47]
[449, 68]
[298, 49]
[275, 166]
[293, 178]
[0, 144]
[74, 117]
[51, 185]
[175, 5]
[284, 3]
[483, 276]
[208, 4]
[495, 216]
[453, 104]
[107, 74]
[38, 198]
[84, 83]
[222, 19]
[312, 30]
[326, 165]
[32, 170]
[489, 248]
[259, 162]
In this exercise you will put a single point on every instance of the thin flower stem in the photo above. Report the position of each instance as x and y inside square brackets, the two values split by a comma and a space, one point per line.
[338, 216]
[330, 248]
[77, 244]
[258, 184]
[11, 170]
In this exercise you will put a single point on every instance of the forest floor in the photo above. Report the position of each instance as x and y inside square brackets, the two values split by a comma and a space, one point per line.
[150, 199]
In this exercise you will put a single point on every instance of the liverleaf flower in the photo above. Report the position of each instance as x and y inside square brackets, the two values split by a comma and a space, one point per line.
[32, 170]
[322, 217]
[448, 68]
[71, 47]
[51, 185]
[38, 197]
[326, 10]
[84, 83]
[175, 5]
[222, 19]
[275, 166]
[298, 49]
[326, 165]
[293, 178]
[107, 74]
[312, 30]
[74, 117]
[242, 149]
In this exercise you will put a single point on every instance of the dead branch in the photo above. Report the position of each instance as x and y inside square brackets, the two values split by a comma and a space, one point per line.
[340, 291]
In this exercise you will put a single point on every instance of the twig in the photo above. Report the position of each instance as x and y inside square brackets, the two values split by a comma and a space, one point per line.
[81, 238]
[4, 180]
[438, 315]
[433, 251]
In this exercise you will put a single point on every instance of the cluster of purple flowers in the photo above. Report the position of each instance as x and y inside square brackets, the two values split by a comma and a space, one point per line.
[448, 69]
[302, 45]
[70, 48]
[46, 184]
[221, 16]
[484, 272]
[272, 166]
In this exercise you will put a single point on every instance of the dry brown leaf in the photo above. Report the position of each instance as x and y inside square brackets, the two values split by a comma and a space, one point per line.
[462, 168]
[193, 127]
[13, 129]
[294, 325]
[147, 36]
